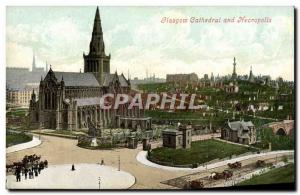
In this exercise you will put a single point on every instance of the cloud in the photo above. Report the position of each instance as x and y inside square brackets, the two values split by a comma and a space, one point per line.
[166, 48]
[146, 43]
[60, 42]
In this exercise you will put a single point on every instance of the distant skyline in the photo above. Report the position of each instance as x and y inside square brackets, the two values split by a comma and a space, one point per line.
[138, 41]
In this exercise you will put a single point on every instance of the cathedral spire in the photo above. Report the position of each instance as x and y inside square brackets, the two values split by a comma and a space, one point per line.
[97, 30]
[97, 43]
[96, 61]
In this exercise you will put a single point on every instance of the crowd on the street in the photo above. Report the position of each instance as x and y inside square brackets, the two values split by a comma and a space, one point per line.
[30, 166]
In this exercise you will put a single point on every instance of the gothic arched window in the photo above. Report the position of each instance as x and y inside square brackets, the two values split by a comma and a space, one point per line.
[45, 101]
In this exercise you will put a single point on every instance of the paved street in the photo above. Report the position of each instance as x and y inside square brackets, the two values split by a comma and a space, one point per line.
[33, 143]
[85, 176]
[64, 151]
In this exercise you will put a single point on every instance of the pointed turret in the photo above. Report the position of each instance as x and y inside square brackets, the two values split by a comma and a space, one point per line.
[33, 96]
[251, 76]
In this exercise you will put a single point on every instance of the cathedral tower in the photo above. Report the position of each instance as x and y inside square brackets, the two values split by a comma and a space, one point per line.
[97, 62]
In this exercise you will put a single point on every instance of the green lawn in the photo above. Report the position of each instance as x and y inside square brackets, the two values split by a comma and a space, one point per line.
[200, 152]
[17, 138]
[20, 112]
[280, 175]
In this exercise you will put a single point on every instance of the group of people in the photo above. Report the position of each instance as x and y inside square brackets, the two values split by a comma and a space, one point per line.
[30, 167]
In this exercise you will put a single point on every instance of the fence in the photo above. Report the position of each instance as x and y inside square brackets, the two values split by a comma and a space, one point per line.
[139, 135]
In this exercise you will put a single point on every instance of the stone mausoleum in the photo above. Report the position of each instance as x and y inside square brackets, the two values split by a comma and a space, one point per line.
[178, 138]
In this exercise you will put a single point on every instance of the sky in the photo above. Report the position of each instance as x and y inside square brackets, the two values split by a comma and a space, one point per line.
[139, 42]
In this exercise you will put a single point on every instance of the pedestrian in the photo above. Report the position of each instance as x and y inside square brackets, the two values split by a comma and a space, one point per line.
[30, 174]
[18, 177]
[25, 173]
[73, 167]
[18, 174]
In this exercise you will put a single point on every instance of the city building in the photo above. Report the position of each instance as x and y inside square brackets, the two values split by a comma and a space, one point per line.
[20, 82]
[147, 80]
[183, 79]
[21, 97]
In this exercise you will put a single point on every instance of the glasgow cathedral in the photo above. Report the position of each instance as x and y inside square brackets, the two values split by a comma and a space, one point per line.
[70, 100]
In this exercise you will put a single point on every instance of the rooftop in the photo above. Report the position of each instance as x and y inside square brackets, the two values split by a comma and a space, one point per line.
[77, 79]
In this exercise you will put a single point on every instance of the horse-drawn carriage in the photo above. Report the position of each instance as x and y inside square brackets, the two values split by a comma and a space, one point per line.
[196, 184]
[235, 165]
[224, 175]
[262, 163]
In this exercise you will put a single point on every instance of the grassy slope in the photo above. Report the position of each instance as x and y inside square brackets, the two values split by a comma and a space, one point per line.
[14, 139]
[264, 93]
[200, 152]
[280, 175]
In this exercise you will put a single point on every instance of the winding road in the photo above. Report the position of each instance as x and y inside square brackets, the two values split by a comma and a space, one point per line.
[60, 151]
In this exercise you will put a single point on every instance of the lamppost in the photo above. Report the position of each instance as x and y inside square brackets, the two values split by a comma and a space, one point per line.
[99, 182]
[119, 160]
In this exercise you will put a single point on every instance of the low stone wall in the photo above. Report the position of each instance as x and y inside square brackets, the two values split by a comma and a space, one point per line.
[101, 142]
[198, 164]
[57, 135]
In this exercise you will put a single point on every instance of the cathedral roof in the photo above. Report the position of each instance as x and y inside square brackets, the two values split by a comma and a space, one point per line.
[77, 79]
[109, 78]
[88, 101]
[123, 81]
